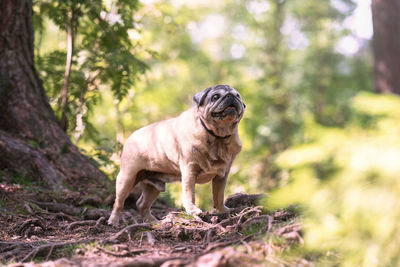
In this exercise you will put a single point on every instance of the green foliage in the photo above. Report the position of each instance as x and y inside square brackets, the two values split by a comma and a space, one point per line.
[106, 156]
[352, 206]
[104, 53]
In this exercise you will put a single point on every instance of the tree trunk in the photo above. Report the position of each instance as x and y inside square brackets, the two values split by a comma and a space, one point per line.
[386, 45]
[31, 141]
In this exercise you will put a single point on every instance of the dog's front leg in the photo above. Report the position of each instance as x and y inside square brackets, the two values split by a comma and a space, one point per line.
[188, 190]
[218, 188]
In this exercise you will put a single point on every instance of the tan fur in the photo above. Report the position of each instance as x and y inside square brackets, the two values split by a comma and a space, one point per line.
[178, 149]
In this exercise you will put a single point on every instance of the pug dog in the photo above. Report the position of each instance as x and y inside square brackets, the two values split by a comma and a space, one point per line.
[198, 146]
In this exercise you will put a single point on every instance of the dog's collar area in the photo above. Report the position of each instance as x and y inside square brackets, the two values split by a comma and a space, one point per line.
[211, 132]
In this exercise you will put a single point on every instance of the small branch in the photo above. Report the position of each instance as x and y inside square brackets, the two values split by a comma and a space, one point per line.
[99, 222]
[49, 254]
[81, 110]
[68, 67]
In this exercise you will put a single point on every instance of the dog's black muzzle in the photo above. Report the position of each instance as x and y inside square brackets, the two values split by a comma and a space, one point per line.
[229, 105]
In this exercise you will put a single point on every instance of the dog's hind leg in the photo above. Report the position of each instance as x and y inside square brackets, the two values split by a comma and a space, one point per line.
[124, 184]
[143, 204]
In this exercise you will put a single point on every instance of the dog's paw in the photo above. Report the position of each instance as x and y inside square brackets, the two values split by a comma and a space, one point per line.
[224, 209]
[194, 210]
[149, 218]
[113, 220]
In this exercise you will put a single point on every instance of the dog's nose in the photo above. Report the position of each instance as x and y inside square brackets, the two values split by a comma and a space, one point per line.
[230, 96]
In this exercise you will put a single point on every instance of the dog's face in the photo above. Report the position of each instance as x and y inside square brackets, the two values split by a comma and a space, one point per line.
[220, 105]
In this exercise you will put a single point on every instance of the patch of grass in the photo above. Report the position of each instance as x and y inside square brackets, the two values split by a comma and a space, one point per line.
[33, 143]
[20, 209]
[22, 179]
[83, 248]
[253, 228]
[294, 209]
[36, 207]
[68, 186]
[185, 215]
[66, 251]
[36, 188]
[277, 241]
[104, 206]
[106, 247]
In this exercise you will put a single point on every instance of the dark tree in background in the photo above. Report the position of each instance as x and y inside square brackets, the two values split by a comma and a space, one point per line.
[386, 45]
[31, 141]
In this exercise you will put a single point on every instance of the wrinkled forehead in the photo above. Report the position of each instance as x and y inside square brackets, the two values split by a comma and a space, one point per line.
[224, 88]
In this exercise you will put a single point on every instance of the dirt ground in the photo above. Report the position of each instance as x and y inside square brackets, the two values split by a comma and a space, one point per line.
[39, 228]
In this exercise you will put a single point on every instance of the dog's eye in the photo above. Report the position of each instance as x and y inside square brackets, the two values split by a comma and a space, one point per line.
[215, 97]
[238, 96]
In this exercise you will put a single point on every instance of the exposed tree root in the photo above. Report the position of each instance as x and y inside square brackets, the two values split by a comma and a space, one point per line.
[30, 226]
[93, 201]
[58, 207]
[128, 253]
[127, 232]
[73, 225]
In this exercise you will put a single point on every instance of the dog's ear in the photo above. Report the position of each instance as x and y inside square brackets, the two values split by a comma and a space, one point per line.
[200, 97]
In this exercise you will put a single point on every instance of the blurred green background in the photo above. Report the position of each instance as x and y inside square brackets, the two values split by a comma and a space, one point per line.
[314, 133]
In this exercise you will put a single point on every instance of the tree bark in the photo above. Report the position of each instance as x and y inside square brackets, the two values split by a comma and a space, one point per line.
[31, 141]
[386, 45]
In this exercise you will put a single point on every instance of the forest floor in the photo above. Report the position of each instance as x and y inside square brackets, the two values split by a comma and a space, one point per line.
[41, 228]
